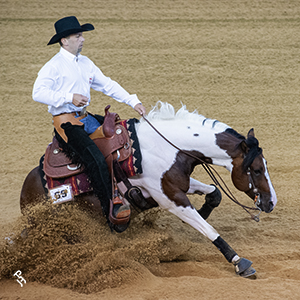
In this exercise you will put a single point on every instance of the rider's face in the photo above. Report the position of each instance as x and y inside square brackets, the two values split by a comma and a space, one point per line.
[73, 43]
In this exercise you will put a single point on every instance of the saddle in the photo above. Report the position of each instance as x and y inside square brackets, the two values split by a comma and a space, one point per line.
[111, 138]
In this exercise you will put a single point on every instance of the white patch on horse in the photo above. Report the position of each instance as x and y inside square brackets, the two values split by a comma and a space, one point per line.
[192, 217]
[272, 190]
[197, 186]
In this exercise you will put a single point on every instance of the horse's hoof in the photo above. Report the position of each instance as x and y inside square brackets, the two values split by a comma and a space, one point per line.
[243, 268]
[250, 273]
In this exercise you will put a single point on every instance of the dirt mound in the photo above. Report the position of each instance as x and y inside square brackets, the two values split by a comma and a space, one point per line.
[72, 249]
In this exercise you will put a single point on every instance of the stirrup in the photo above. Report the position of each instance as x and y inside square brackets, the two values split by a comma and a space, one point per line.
[119, 212]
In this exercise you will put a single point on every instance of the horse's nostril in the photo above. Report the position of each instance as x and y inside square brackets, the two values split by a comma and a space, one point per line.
[271, 206]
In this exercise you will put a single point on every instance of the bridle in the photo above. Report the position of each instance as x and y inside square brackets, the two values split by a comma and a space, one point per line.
[216, 178]
[255, 191]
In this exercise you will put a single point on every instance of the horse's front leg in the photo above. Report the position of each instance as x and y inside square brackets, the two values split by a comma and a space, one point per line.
[212, 199]
[177, 202]
[197, 187]
[190, 215]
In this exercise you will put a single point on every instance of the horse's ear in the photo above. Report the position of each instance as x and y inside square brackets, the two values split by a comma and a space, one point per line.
[244, 147]
[251, 133]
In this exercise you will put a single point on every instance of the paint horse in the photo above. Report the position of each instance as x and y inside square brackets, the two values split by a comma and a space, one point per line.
[167, 167]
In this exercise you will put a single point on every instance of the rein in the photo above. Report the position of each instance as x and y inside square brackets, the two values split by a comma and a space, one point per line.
[213, 174]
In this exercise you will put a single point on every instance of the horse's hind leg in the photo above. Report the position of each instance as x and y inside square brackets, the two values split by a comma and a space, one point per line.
[32, 190]
[212, 199]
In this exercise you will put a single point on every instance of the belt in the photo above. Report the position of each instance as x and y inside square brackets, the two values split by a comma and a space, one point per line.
[81, 114]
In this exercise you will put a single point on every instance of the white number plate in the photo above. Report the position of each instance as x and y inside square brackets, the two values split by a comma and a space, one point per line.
[61, 194]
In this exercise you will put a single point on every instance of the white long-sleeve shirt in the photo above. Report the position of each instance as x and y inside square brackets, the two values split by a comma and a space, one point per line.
[65, 75]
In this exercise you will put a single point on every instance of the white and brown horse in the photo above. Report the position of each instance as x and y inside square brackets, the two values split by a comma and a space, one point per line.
[167, 169]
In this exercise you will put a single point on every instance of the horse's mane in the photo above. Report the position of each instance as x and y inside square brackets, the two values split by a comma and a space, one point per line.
[235, 134]
[165, 111]
[254, 151]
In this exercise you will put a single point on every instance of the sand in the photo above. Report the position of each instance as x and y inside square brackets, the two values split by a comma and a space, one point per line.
[235, 61]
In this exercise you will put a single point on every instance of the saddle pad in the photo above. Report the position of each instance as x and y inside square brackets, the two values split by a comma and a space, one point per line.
[78, 184]
[132, 165]
[56, 188]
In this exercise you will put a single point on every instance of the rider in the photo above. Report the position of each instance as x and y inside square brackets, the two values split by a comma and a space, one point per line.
[64, 85]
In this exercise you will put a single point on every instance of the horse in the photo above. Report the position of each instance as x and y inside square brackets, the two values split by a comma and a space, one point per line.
[185, 140]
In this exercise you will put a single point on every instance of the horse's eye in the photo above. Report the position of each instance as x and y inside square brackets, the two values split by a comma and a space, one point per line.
[257, 172]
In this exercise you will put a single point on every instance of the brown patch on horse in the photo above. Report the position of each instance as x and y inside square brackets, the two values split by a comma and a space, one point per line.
[176, 181]
[32, 191]
[230, 141]
[234, 145]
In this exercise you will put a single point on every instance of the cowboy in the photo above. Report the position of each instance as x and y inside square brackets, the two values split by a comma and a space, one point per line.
[64, 85]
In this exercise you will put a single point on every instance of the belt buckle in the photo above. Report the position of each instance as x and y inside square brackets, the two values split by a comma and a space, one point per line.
[83, 112]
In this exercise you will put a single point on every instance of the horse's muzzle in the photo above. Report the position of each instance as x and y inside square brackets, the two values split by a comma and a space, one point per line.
[267, 208]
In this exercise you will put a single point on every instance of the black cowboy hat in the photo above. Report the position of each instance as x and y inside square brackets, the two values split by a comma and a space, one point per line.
[66, 26]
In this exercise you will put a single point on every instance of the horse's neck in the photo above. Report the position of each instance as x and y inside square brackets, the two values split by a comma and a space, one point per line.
[230, 144]
[186, 136]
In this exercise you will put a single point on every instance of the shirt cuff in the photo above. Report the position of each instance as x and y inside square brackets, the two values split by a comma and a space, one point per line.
[69, 97]
[133, 100]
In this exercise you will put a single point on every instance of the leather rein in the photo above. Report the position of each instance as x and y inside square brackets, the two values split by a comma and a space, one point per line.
[216, 178]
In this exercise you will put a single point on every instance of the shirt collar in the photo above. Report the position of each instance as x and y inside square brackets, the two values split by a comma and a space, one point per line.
[69, 55]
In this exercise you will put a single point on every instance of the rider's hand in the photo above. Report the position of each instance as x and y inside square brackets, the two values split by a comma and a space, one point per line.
[140, 109]
[80, 100]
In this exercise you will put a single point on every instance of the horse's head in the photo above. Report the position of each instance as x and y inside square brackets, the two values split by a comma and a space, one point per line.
[250, 174]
